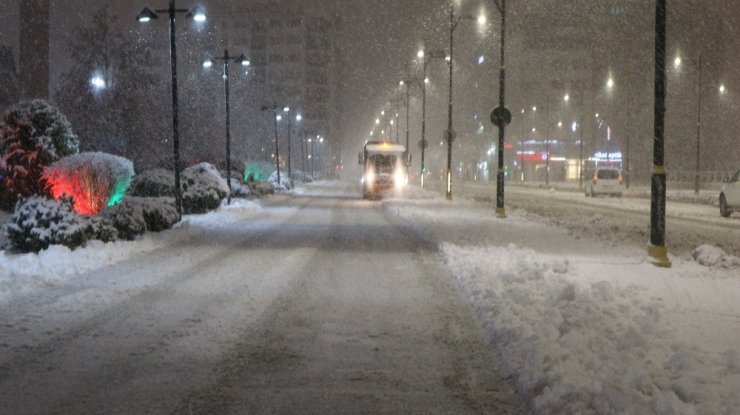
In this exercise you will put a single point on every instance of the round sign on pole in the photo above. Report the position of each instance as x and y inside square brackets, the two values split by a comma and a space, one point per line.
[501, 117]
[423, 144]
[449, 135]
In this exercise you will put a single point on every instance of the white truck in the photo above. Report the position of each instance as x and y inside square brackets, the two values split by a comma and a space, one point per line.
[384, 168]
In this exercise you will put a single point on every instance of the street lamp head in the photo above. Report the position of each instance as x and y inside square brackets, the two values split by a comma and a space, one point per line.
[298, 117]
[98, 82]
[560, 124]
[286, 109]
[401, 83]
[534, 108]
[420, 54]
[207, 63]
[566, 98]
[482, 20]
[426, 80]
[146, 15]
[610, 83]
[722, 89]
[279, 117]
[447, 58]
[197, 13]
[677, 62]
[377, 121]
[243, 60]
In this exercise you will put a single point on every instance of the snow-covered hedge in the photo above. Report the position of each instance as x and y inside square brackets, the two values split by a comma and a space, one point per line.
[283, 185]
[38, 222]
[136, 215]
[153, 183]
[33, 134]
[93, 180]
[203, 188]
[239, 189]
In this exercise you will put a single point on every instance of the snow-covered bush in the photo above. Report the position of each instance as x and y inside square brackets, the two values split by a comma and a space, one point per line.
[93, 180]
[153, 183]
[38, 222]
[203, 188]
[239, 189]
[135, 215]
[283, 185]
[33, 134]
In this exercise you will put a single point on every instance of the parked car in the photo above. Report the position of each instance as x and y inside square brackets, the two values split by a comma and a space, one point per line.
[729, 196]
[605, 181]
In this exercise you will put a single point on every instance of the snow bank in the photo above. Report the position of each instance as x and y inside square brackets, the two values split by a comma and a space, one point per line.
[712, 256]
[23, 273]
[576, 346]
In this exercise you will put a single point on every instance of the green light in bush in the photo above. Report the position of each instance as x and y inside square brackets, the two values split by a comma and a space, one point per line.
[119, 192]
[254, 170]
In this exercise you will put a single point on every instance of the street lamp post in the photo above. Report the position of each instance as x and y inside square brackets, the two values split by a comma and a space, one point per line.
[450, 133]
[407, 83]
[298, 118]
[226, 58]
[198, 15]
[501, 116]
[424, 144]
[657, 247]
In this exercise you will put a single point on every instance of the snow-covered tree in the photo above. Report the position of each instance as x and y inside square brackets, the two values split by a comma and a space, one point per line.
[33, 134]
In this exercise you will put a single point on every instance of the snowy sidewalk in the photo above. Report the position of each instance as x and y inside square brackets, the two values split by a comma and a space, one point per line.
[585, 326]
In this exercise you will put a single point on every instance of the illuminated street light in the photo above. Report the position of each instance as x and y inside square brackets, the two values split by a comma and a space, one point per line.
[722, 89]
[424, 143]
[677, 62]
[566, 98]
[98, 82]
[197, 14]
[610, 83]
[227, 59]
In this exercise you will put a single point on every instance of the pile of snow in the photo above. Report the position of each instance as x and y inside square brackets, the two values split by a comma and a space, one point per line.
[23, 273]
[712, 256]
[579, 344]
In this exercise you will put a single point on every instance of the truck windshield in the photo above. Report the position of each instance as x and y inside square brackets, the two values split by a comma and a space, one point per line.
[383, 163]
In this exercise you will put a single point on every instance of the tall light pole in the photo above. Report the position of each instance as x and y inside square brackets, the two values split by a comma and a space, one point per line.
[226, 58]
[298, 118]
[275, 117]
[657, 247]
[450, 133]
[407, 83]
[424, 144]
[197, 15]
[501, 116]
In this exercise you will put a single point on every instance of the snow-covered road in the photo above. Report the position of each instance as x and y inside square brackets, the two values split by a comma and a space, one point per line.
[310, 304]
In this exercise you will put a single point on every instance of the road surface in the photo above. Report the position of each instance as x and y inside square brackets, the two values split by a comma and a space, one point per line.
[317, 304]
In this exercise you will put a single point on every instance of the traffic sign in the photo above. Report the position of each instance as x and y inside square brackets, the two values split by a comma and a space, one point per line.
[501, 117]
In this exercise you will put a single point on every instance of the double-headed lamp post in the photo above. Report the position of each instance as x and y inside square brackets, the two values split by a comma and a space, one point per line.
[298, 118]
[198, 15]
[407, 83]
[450, 133]
[424, 144]
[275, 118]
[226, 58]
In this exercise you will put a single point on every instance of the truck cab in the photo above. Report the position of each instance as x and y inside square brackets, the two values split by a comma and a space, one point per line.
[384, 168]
